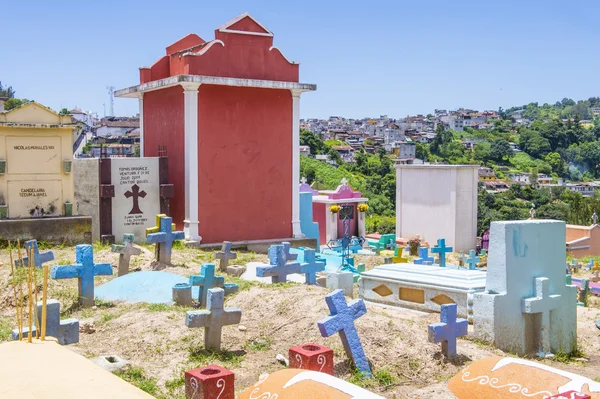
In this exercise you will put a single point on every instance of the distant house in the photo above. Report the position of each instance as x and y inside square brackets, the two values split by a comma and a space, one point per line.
[85, 117]
[404, 150]
[116, 126]
[346, 152]
[486, 174]
[113, 150]
[304, 150]
[596, 111]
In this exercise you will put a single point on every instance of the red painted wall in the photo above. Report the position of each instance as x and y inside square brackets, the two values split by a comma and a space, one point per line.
[245, 163]
[164, 124]
[319, 214]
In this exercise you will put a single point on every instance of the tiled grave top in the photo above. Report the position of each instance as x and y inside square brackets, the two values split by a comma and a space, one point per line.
[430, 276]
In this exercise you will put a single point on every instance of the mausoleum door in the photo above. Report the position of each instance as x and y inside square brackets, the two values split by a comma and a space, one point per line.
[349, 211]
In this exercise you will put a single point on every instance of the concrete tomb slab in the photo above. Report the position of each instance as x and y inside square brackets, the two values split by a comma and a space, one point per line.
[341, 280]
[213, 319]
[422, 287]
[143, 286]
[125, 251]
[341, 320]
[527, 306]
[165, 238]
[224, 255]
[84, 270]
[448, 329]
[65, 331]
[38, 258]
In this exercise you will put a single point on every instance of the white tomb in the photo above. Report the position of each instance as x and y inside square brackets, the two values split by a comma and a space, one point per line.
[438, 201]
[422, 287]
[527, 307]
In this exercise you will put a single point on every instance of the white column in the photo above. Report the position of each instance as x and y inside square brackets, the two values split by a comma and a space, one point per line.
[297, 233]
[141, 102]
[190, 101]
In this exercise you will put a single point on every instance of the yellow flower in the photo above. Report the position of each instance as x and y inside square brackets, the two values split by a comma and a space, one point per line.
[334, 208]
[363, 207]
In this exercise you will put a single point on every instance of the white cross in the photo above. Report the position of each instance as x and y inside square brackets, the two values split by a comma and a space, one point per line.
[344, 181]
[542, 303]
[303, 180]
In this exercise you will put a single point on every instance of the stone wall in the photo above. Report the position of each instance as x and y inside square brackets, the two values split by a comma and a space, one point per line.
[87, 199]
[59, 230]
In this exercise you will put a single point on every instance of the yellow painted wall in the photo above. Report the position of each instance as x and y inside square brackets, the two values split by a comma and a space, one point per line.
[34, 142]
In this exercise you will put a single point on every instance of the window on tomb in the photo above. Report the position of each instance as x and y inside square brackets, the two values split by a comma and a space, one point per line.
[346, 212]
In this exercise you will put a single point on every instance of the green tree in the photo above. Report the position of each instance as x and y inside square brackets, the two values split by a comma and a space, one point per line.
[500, 149]
[6, 92]
[12, 103]
[64, 111]
[533, 178]
[556, 162]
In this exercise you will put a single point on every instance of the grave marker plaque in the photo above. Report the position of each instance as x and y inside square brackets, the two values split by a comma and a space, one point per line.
[33, 155]
[137, 195]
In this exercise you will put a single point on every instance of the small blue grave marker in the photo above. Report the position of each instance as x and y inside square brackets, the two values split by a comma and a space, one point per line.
[310, 267]
[341, 320]
[84, 270]
[590, 264]
[278, 269]
[447, 331]
[423, 256]
[441, 249]
[165, 238]
[38, 258]
[65, 331]
[472, 260]
[205, 281]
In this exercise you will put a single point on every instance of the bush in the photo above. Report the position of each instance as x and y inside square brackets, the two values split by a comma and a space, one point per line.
[380, 224]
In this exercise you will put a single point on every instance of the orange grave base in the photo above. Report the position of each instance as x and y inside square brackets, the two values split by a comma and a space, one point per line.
[505, 378]
[303, 384]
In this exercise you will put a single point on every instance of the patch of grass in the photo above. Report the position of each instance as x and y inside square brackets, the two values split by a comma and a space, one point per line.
[100, 304]
[178, 244]
[383, 377]
[137, 376]
[563, 357]
[175, 383]
[99, 246]
[243, 285]
[159, 307]
[260, 344]
[5, 329]
[106, 317]
[228, 359]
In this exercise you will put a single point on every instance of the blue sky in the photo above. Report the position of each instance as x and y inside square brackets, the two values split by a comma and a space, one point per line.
[367, 57]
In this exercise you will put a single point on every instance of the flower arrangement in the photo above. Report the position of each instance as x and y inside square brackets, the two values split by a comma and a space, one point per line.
[362, 207]
[334, 208]
[413, 245]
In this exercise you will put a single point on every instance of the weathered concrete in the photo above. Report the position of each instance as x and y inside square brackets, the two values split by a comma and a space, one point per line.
[526, 269]
[341, 280]
[68, 230]
[213, 319]
[259, 246]
[448, 329]
[87, 200]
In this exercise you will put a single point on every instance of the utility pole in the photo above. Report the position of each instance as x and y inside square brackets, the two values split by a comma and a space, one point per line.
[111, 95]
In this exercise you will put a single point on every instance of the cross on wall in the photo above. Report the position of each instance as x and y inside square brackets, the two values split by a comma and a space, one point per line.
[136, 194]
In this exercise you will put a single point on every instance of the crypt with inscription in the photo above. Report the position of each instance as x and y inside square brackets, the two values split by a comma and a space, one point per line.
[36, 155]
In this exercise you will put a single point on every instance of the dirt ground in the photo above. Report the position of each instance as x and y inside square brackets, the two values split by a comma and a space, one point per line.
[159, 347]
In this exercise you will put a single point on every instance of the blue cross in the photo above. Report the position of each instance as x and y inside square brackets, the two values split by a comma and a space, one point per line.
[288, 255]
[165, 238]
[38, 258]
[85, 270]
[441, 249]
[472, 260]
[310, 267]
[423, 256]
[205, 281]
[341, 320]
[277, 269]
[591, 263]
[449, 328]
